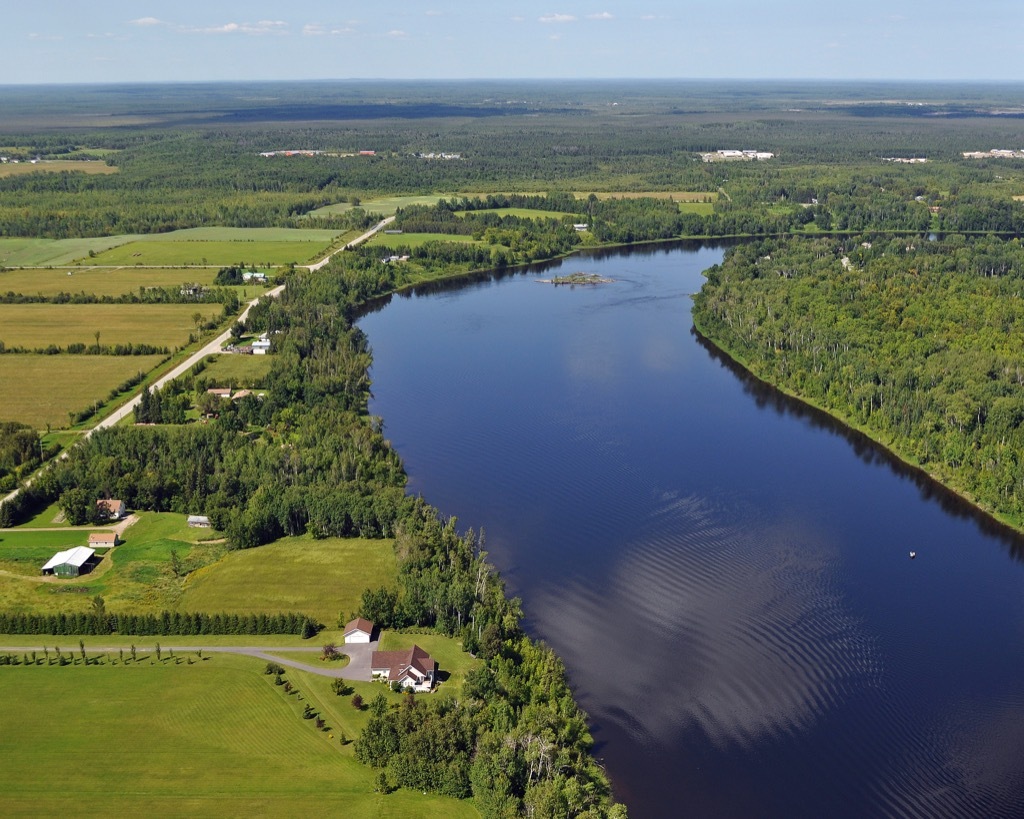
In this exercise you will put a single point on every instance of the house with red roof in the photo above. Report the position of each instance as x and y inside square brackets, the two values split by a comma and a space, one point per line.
[411, 668]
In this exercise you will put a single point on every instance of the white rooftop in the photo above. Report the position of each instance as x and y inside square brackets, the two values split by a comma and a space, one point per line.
[74, 557]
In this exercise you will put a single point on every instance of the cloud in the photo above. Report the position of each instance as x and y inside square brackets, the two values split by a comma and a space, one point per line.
[45, 37]
[601, 15]
[434, 13]
[517, 19]
[320, 30]
[260, 27]
[397, 34]
[557, 18]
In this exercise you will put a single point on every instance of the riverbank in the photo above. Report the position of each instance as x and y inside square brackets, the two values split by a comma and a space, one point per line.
[938, 479]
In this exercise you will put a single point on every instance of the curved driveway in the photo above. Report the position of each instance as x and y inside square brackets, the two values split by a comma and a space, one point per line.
[357, 669]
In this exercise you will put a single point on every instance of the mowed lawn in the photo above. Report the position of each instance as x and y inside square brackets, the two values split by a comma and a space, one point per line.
[238, 371]
[323, 578]
[99, 281]
[209, 253]
[42, 389]
[35, 326]
[211, 738]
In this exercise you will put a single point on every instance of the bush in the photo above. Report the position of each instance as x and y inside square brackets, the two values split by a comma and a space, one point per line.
[357, 702]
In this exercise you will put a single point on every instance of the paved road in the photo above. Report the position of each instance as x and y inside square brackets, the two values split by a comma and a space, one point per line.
[212, 347]
[358, 241]
[357, 669]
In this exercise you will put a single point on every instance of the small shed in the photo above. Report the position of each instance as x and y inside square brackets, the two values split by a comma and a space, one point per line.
[359, 630]
[103, 540]
[70, 562]
[199, 521]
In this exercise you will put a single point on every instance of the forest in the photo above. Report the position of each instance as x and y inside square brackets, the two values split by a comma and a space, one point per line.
[917, 342]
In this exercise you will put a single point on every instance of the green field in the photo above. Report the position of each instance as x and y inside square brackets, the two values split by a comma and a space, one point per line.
[43, 252]
[525, 213]
[701, 208]
[238, 371]
[323, 578]
[209, 252]
[37, 325]
[211, 738]
[43, 389]
[99, 281]
[56, 166]
[393, 240]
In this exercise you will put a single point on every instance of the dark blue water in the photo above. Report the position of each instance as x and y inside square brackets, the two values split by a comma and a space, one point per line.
[725, 573]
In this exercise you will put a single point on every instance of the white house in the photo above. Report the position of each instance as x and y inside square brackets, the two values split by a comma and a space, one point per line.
[261, 346]
[103, 540]
[199, 521]
[359, 630]
[412, 668]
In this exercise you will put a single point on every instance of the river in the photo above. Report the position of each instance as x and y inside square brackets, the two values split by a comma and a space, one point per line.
[725, 573]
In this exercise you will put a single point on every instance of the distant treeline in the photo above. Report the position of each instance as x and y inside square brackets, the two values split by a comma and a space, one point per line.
[183, 294]
[170, 623]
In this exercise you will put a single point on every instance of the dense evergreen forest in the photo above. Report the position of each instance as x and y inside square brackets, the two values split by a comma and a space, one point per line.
[917, 342]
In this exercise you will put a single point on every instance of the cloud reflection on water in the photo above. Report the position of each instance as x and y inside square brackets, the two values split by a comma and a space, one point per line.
[720, 627]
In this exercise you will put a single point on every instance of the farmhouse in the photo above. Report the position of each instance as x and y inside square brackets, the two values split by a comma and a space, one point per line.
[199, 521]
[220, 392]
[111, 508]
[103, 540]
[412, 668]
[254, 276]
[359, 630]
[70, 562]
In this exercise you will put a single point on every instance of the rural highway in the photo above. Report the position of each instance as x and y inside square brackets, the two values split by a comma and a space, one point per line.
[213, 347]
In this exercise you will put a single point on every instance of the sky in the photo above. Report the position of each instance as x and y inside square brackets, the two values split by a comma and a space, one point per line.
[69, 41]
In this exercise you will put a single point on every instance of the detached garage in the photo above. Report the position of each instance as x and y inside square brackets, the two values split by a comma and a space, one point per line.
[71, 562]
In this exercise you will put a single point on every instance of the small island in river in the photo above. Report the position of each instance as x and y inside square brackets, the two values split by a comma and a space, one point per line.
[577, 278]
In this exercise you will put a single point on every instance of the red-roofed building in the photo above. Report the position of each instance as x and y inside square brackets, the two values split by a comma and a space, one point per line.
[412, 668]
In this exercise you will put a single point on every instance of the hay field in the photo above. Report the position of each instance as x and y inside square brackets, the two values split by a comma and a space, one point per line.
[38, 325]
[43, 389]
[99, 281]
[214, 737]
